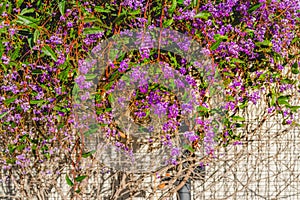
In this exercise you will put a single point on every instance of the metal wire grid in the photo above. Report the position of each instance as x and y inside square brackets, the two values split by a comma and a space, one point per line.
[265, 166]
[261, 169]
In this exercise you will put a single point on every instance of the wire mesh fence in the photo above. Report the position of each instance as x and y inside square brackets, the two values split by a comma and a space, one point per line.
[264, 165]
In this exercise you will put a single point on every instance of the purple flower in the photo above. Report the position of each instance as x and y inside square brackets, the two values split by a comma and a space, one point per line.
[254, 97]
[5, 59]
[12, 31]
[191, 80]
[186, 2]
[179, 83]
[54, 40]
[173, 161]
[237, 143]
[82, 84]
[271, 109]
[160, 108]
[170, 125]
[175, 152]
[151, 129]
[209, 141]
[140, 114]
[62, 18]
[182, 70]
[173, 111]
[187, 108]
[144, 88]
[168, 72]
[230, 105]
[190, 135]
[16, 10]
[123, 65]
[280, 67]
[134, 4]
[286, 112]
[69, 24]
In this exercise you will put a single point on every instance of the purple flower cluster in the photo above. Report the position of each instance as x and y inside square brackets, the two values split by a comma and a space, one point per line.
[133, 4]
[249, 42]
[191, 136]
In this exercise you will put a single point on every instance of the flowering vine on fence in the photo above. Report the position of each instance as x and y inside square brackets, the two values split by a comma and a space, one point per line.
[253, 46]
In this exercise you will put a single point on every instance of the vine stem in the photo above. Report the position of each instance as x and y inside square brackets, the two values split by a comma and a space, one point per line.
[161, 20]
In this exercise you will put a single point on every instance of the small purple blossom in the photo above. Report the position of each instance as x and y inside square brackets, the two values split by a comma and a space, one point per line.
[175, 152]
[5, 59]
[69, 24]
[123, 65]
[271, 109]
[191, 136]
[160, 108]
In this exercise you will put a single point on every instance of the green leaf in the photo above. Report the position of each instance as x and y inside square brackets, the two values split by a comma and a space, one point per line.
[36, 101]
[294, 108]
[36, 35]
[243, 104]
[168, 22]
[215, 45]
[11, 148]
[173, 7]
[90, 76]
[37, 71]
[188, 147]
[202, 109]
[77, 191]
[3, 114]
[254, 7]
[295, 68]
[236, 60]
[90, 131]
[97, 21]
[61, 7]
[111, 98]
[80, 178]
[273, 100]
[203, 15]
[238, 118]
[15, 54]
[135, 12]
[295, 40]
[69, 182]
[29, 21]
[10, 100]
[100, 9]
[26, 10]
[88, 154]
[49, 52]
[20, 147]
[295, 71]
[92, 30]
[265, 43]
[11, 161]
[287, 81]
[108, 109]
[195, 2]
[19, 3]
[220, 37]
[283, 100]
[238, 125]
[30, 41]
